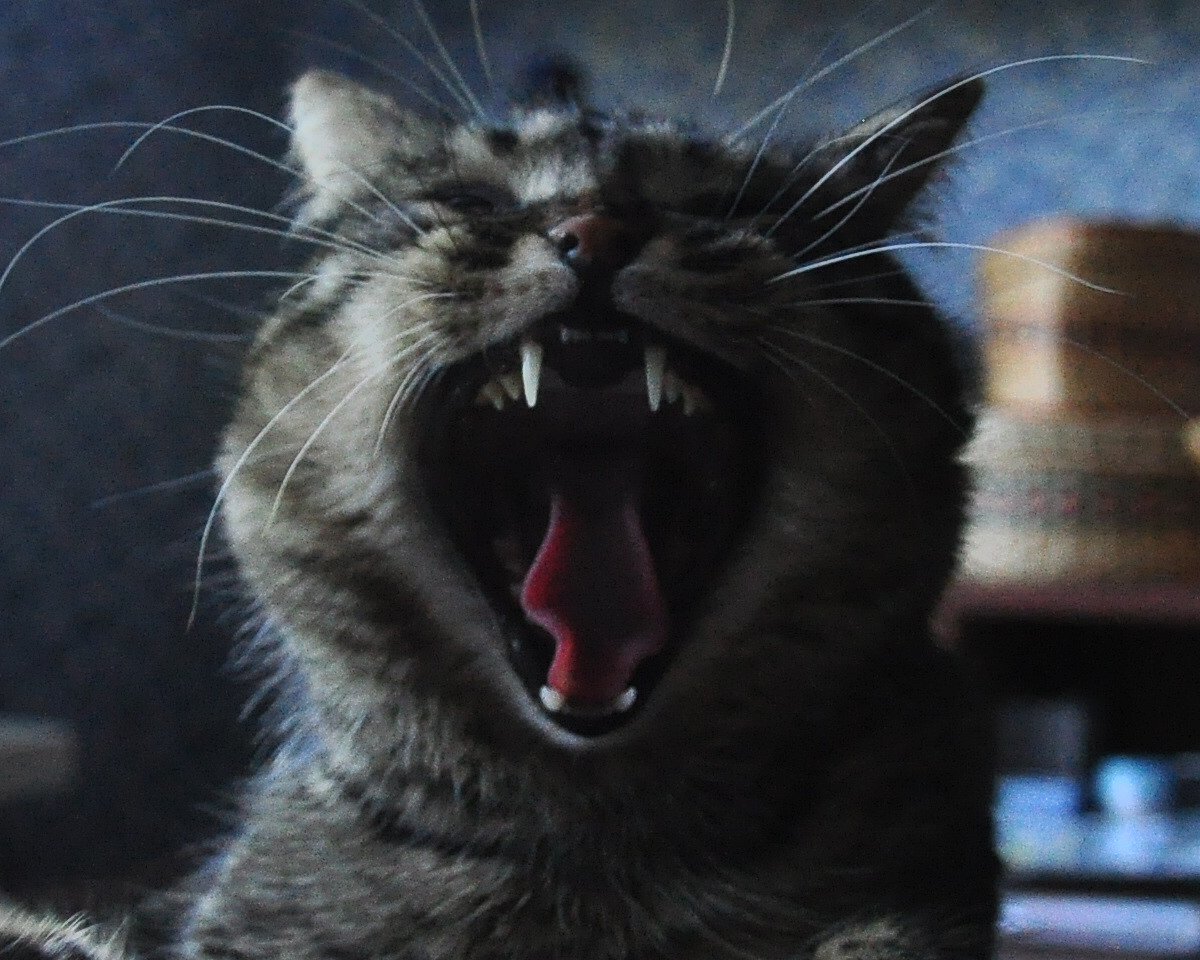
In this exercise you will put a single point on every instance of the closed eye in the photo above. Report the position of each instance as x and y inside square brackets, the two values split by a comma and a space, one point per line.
[472, 197]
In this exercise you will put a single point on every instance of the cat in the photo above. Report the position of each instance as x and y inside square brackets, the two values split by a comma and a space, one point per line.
[597, 487]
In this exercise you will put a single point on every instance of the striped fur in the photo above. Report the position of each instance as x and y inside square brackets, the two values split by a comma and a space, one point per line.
[811, 780]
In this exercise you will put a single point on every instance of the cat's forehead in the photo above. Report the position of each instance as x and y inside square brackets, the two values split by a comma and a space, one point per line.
[545, 154]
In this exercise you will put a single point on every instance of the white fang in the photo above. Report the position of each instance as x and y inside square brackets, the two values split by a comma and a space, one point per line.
[531, 370]
[656, 362]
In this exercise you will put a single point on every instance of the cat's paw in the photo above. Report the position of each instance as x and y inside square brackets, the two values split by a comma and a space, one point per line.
[26, 936]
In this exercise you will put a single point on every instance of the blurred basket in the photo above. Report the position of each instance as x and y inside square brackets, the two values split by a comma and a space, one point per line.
[1082, 463]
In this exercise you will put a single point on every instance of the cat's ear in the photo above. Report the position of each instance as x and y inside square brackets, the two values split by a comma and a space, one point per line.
[887, 160]
[345, 136]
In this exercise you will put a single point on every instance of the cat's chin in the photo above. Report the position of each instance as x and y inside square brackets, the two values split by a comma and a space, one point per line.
[595, 475]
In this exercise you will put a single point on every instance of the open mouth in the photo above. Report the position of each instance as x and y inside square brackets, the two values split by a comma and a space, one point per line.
[595, 475]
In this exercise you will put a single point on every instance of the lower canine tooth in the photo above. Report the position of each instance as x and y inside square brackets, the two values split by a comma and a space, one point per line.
[555, 702]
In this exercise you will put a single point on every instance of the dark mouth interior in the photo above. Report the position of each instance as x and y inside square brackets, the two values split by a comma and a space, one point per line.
[660, 496]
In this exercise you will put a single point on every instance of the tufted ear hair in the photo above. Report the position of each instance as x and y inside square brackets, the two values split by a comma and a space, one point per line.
[886, 160]
[345, 136]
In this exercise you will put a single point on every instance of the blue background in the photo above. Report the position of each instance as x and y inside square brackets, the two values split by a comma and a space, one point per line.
[95, 568]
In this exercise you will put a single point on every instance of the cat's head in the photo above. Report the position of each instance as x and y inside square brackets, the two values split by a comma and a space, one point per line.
[587, 426]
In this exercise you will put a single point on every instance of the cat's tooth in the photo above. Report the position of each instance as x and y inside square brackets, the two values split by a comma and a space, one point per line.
[531, 370]
[491, 393]
[551, 699]
[672, 385]
[511, 384]
[555, 702]
[694, 399]
[656, 362]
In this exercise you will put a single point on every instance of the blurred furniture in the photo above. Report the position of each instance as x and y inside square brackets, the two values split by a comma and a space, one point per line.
[1091, 365]
[37, 757]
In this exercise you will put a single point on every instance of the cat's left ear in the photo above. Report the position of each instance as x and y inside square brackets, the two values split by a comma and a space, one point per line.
[345, 137]
[890, 157]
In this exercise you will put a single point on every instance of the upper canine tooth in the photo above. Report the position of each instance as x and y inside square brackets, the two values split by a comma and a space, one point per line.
[511, 384]
[531, 370]
[656, 362]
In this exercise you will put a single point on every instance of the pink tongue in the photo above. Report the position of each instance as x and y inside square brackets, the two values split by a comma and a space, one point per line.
[592, 586]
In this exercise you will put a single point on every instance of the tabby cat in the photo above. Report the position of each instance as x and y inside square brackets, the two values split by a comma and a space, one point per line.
[597, 490]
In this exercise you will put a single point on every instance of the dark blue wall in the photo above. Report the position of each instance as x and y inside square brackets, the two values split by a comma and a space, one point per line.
[94, 597]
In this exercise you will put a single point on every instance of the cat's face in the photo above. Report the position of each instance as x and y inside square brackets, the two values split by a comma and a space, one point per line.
[559, 441]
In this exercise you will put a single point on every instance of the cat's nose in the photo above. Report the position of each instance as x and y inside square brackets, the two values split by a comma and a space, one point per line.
[595, 242]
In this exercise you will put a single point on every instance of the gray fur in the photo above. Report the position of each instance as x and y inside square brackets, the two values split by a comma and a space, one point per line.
[809, 780]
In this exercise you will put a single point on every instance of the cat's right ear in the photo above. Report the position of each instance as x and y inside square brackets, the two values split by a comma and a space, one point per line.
[345, 136]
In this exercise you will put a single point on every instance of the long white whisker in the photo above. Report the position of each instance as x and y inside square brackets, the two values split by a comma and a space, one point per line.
[171, 332]
[243, 458]
[162, 486]
[820, 75]
[139, 125]
[120, 207]
[945, 91]
[753, 168]
[447, 59]
[481, 49]
[727, 51]
[882, 178]
[878, 301]
[1129, 372]
[227, 108]
[775, 352]
[410, 386]
[878, 368]
[145, 285]
[976, 141]
[945, 245]
[376, 372]
[411, 47]
[379, 195]
[382, 68]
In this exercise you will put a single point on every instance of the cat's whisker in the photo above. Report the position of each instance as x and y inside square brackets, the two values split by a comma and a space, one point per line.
[880, 369]
[448, 60]
[481, 49]
[899, 119]
[778, 355]
[384, 70]
[877, 301]
[378, 371]
[783, 99]
[944, 245]
[142, 125]
[120, 206]
[413, 51]
[191, 111]
[171, 332]
[727, 50]
[390, 204]
[244, 458]
[854, 280]
[846, 219]
[763, 145]
[410, 388]
[148, 284]
[162, 486]
[976, 141]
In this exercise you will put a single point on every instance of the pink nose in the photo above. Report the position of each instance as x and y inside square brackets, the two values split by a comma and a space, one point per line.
[594, 240]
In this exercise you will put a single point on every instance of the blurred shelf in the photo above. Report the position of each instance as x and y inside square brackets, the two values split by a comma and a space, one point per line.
[1159, 603]
[37, 757]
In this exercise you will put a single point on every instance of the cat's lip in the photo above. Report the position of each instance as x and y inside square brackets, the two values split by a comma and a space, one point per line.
[615, 389]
